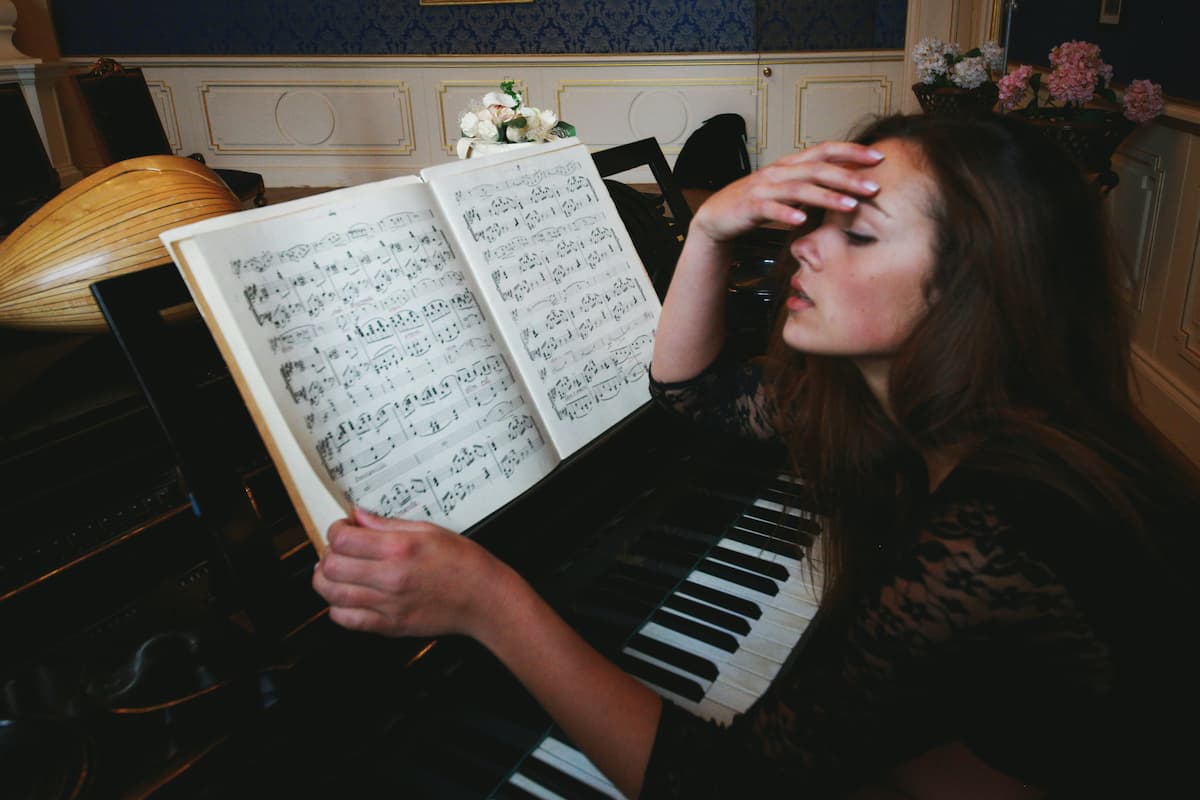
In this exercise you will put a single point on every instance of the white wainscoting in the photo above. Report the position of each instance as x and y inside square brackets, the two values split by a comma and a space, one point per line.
[1155, 211]
[337, 121]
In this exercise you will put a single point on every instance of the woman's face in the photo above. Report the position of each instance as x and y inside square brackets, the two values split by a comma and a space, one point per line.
[859, 288]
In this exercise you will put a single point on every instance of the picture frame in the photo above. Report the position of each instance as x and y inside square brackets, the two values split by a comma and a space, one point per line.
[1110, 11]
[468, 2]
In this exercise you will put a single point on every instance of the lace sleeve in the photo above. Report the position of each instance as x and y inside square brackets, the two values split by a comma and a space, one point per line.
[726, 397]
[970, 640]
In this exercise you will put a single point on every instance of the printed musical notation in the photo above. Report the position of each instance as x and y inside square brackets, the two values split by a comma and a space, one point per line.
[560, 276]
[384, 353]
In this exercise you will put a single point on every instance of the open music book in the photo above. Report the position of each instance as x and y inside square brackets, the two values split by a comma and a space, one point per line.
[429, 347]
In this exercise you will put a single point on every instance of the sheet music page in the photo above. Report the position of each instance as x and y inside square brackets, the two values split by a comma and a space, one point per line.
[391, 390]
[557, 267]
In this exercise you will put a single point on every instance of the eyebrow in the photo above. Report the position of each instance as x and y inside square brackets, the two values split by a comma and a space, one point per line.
[871, 202]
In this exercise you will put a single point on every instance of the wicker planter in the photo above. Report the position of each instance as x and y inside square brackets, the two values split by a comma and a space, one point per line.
[953, 101]
[1091, 142]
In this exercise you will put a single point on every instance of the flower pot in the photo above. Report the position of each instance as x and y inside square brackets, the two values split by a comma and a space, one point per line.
[953, 101]
[474, 148]
[1089, 141]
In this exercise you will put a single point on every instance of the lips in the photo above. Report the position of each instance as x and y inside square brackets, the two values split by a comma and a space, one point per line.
[797, 297]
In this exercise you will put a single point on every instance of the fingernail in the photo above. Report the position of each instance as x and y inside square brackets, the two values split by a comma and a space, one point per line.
[848, 202]
[870, 186]
[798, 216]
[875, 154]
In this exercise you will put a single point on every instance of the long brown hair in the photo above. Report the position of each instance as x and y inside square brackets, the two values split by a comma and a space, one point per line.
[1024, 348]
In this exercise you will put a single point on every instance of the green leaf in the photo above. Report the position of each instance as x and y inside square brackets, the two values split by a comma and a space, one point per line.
[972, 53]
[518, 122]
[509, 88]
[563, 129]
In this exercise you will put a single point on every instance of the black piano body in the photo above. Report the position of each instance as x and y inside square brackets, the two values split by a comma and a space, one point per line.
[139, 661]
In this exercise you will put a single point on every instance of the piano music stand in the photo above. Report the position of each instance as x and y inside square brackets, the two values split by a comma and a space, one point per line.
[244, 557]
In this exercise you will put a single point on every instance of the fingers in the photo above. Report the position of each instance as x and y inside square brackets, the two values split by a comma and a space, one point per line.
[369, 520]
[817, 184]
[840, 152]
[377, 538]
[830, 176]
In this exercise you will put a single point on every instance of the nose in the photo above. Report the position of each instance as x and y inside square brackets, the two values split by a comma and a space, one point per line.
[804, 250]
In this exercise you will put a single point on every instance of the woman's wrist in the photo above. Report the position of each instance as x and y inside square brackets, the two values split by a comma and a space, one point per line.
[501, 604]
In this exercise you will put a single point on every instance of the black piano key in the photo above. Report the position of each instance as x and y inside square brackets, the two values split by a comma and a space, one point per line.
[736, 605]
[660, 677]
[558, 781]
[800, 528]
[765, 543]
[689, 662]
[767, 525]
[740, 577]
[510, 791]
[713, 616]
[751, 563]
[696, 630]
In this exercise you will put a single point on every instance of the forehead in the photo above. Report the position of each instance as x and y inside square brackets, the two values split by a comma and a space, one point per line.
[905, 186]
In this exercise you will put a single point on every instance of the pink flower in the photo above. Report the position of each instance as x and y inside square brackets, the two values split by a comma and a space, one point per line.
[1143, 101]
[1014, 87]
[1077, 69]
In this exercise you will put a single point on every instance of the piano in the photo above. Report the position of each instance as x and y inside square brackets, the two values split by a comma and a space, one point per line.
[151, 653]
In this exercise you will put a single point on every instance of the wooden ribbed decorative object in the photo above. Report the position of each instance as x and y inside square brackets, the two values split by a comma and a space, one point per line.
[105, 225]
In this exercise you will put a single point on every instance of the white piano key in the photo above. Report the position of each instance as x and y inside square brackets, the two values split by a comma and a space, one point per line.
[705, 709]
[571, 755]
[795, 591]
[727, 694]
[748, 656]
[801, 575]
[769, 556]
[535, 789]
[592, 778]
[765, 630]
[783, 604]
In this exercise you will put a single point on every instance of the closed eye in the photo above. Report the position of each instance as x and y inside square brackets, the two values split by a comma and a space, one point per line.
[858, 239]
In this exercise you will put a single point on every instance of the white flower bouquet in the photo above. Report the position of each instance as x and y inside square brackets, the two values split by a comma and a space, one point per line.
[503, 118]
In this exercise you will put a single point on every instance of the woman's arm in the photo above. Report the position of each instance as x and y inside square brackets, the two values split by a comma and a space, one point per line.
[691, 329]
[403, 578]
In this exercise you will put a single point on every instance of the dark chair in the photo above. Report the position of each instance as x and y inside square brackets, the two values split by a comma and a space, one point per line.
[714, 154]
[127, 123]
[657, 236]
[29, 178]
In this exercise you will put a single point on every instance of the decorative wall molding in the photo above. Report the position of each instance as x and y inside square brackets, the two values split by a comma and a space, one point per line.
[1137, 206]
[315, 117]
[334, 121]
[829, 106]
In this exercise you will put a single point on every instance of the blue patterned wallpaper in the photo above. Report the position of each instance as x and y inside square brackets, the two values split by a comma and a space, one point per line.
[393, 27]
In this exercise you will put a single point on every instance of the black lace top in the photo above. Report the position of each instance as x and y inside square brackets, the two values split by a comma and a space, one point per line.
[1011, 624]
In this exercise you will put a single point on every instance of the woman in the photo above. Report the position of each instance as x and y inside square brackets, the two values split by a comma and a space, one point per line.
[951, 369]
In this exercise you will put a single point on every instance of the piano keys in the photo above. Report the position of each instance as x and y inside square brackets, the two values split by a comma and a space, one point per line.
[716, 641]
